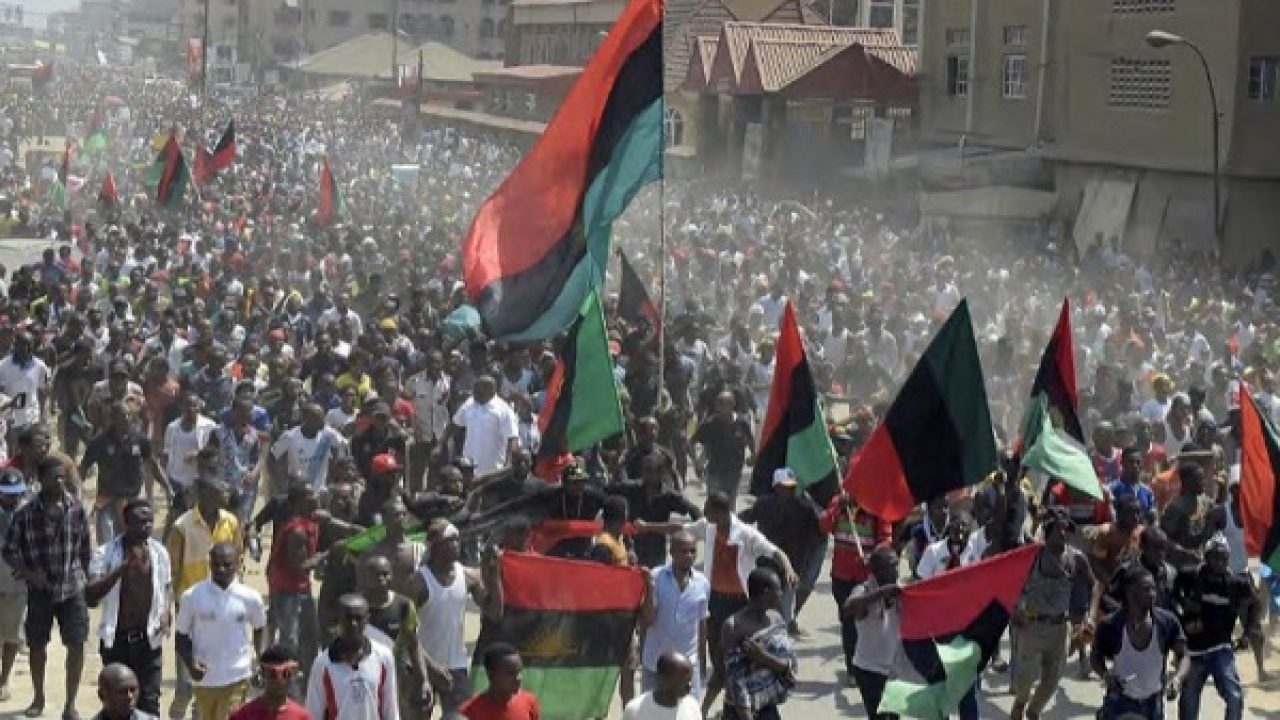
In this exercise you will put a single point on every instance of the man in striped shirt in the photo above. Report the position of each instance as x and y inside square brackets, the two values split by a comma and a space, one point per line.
[354, 678]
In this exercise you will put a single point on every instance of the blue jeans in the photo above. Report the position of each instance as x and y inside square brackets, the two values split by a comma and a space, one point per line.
[809, 569]
[1115, 707]
[1220, 665]
[293, 621]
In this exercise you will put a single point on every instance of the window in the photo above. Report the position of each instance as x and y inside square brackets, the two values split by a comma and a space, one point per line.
[426, 24]
[1015, 35]
[1130, 7]
[1264, 72]
[1013, 77]
[223, 75]
[958, 75]
[446, 25]
[339, 18]
[283, 47]
[223, 53]
[880, 14]
[378, 21]
[673, 126]
[910, 22]
[958, 37]
[502, 28]
[1142, 84]
[486, 29]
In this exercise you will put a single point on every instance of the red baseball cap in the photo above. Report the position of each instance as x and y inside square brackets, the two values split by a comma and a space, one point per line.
[385, 463]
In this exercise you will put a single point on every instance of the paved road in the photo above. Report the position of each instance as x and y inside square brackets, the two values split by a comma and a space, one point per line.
[820, 695]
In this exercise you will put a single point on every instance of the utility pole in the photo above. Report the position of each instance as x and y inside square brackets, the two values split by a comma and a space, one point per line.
[204, 55]
[395, 43]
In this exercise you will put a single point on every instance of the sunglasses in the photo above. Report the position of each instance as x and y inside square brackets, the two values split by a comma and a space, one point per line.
[280, 672]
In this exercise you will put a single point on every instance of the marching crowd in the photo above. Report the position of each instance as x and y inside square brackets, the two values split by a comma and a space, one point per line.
[266, 381]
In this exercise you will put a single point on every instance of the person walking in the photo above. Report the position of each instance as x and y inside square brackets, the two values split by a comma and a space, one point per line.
[674, 616]
[856, 533]
[874, 608]
[671, 697]
[130, 578]
[354, 678]
[393, 621]
[1210, 601]
[504, 699]
[1137, 640]
[13, 591]
[279, 667]
[1039, 623]
[118, 693]
[759, 659]
[212, 641]
[48, 546]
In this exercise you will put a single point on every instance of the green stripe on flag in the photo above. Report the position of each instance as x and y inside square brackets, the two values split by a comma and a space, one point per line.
[1056, 456]
[960, 660]
[637, 161]
[809, 452]
[596, 411]
[564, 693]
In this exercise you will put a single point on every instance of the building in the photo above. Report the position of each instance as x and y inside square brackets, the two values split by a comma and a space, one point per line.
[558, 32]
[1123, 129]
[902, 16]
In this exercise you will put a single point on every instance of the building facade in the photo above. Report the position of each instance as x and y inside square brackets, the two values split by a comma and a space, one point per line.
[1125, 127]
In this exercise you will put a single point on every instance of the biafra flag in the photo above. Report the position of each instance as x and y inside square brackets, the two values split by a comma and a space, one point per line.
[107, 196]
[794, 433]
[634, 304]
[582, 406]
[1056, 377]
[572, 622]
[170, 171]
[950, 626]
[329, 205]
[936, 436]
[224, 153]
[540, 242]
[1259, 469]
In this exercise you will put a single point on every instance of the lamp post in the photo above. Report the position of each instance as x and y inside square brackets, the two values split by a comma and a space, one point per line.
[1160, 39]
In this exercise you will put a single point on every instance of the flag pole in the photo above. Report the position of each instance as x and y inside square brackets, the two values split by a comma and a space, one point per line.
[662, 291]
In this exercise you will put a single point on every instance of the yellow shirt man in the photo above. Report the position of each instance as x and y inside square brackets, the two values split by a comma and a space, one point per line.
[189, 543]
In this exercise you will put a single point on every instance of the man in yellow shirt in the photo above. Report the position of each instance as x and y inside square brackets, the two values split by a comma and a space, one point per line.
[193, 534]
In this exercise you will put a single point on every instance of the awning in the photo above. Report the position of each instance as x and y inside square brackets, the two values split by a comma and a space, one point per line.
[1104, 213]
[994, 202]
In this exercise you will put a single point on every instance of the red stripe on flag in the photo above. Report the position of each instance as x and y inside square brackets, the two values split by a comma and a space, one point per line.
[533, 209]
[1257, 476]
[788, 355]
[536, 582]
[949, 602]
[876, 480]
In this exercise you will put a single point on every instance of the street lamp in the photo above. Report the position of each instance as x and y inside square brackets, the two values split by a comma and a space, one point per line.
[1160, 39]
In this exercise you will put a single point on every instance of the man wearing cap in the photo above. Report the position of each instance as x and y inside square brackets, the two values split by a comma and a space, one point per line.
[13, 591]
[308, 450]
[382, 436]
[788, 517]
[383, 485]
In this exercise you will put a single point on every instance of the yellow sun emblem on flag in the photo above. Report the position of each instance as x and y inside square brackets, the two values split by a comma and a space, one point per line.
[551, 643]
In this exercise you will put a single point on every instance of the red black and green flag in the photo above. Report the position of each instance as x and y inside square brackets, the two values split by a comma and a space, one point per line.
[1259, 471]
[329, 205]
[572, 622]
[107, 195]
[540, 242]
[1056, 378]
[223, 155]
[170, 170]
[936, 436]
[950, 626]
[95, 142]
[42, 75]
[582, 406]
[634, 305]
[794, 433]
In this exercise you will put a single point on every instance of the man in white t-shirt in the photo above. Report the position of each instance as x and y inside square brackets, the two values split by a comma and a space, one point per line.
[875, 610]
[670, 698]
[491, 428]
[25, 378]
[308, 450]
[184, 438]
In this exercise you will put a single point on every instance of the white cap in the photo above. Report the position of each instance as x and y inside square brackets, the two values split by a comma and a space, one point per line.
[784, 476]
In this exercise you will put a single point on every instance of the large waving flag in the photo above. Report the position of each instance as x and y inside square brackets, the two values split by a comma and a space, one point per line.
[582, 406]
[1259, 470]
[329, 205]
[1057, 455]
[936, 436]
[107, 195]
[540, 242]
[634, 304]
[572, 623]
[170, 171]
[794, 433]
[950, 627]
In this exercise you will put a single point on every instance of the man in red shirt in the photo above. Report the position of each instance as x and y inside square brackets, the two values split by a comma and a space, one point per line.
[857, 532]
[504, 699]
[279, 668]
[293, 555]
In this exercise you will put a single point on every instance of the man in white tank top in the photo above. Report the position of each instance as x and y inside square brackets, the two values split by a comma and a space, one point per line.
[440, 589]
[1135, 642]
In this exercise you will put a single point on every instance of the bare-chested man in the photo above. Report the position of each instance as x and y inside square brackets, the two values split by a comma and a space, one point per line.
[405, 555]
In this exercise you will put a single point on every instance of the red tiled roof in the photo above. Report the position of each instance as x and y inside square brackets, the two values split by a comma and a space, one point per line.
[736, 37]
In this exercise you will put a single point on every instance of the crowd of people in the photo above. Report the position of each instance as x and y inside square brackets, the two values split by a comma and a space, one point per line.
[268, 381]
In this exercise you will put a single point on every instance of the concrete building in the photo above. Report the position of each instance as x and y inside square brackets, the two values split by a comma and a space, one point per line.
[558, 32]
[1123, 129]
[900, 15]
